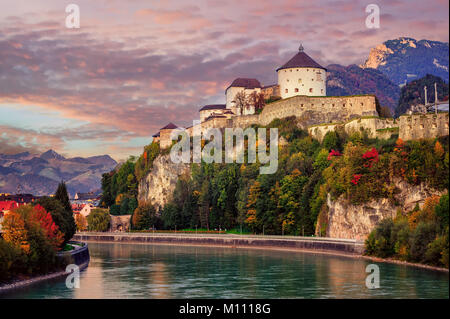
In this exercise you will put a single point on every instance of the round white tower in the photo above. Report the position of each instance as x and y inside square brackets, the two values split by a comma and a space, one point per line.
[301, 75]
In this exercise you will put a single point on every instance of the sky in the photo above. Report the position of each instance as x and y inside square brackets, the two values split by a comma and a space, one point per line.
[133, 66]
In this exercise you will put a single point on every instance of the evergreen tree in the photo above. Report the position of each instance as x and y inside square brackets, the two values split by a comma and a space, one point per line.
[62, 195]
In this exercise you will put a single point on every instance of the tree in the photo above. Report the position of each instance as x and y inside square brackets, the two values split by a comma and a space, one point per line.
[63, 218]
[45, 220]
[241, 102]
[254, 194]
[257, 100]
[99, 220]
[81, 222]
[62, 195]
[14, 230]
[144, 217]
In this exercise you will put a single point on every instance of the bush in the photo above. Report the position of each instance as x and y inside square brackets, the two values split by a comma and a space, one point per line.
[379, 242]
[12, 260]
[99, 220]
[422, 236]
[437, 252]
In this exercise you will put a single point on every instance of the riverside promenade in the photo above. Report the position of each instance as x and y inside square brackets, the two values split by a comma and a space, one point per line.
[312, 244]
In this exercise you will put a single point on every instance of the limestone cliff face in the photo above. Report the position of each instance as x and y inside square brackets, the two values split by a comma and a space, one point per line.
[357, 221]
[160, 182]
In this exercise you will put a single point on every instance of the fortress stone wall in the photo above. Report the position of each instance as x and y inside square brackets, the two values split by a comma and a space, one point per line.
[417, 126]
[323, 114]
[316, 110]
[308, 110]
[374, 126]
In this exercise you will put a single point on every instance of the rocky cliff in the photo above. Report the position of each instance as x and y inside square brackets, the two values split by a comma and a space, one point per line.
[357, 221]
[160, 182]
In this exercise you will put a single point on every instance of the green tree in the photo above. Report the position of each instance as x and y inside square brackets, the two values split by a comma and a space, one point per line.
[62, 195]
[144, 217]
[99, 220]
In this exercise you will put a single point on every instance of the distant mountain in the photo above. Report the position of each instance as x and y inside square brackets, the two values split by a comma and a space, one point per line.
[40, 174]
[413, 93]
[51, 154]
[353, 80]
[405, 59]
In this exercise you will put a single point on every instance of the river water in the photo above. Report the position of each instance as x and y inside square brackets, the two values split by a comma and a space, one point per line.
[120, 270]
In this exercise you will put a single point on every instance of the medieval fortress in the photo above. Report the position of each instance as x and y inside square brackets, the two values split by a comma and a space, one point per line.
[301, 92]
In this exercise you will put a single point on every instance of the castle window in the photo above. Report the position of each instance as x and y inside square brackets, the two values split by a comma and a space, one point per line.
[421, 126]
[343, 105]
[287, 80]
[297, 70]
[323, 104]
[296, 90]
[362, 103]
[332, 105]
[290, 70]
[321, 91]
[307, 70]
[299, 80]
[312, 79]
[286, 90]
[301, 105]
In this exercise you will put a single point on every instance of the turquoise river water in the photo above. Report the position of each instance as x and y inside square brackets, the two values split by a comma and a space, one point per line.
[121, 270]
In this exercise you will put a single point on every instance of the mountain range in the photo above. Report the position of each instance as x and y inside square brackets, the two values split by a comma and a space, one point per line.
[388, 67]
[40, 174]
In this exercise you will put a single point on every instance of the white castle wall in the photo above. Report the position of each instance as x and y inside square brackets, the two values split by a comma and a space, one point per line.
[302, 81]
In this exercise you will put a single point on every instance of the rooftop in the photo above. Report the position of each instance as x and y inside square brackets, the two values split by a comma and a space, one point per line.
[213, 107]
[169, 126]
[301, 60]
[245, 83]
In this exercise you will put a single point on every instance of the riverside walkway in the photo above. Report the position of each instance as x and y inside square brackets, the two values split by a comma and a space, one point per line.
[320, 244]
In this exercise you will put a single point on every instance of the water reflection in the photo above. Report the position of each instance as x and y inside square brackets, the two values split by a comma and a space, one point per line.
[160, 271]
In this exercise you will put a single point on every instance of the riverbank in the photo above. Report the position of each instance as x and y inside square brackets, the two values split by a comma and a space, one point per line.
[79, 256]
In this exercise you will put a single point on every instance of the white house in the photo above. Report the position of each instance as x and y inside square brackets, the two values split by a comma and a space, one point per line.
[86, 210]
[301, 75]
[248, 86]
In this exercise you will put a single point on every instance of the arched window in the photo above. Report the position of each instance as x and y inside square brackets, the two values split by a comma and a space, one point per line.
[310, 90]
[296, 90]
[286, 91]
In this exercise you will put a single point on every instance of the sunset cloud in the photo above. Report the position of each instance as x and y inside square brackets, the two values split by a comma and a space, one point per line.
[134, 66]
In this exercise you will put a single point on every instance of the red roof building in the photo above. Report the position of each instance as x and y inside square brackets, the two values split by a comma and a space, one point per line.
[6, 206]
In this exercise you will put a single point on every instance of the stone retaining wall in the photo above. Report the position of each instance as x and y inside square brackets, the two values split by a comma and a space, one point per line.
[350, 247]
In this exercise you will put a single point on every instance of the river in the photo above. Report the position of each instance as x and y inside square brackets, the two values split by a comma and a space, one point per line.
[119, 270]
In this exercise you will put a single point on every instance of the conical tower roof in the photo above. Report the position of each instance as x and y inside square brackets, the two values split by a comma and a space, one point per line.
[301, 60]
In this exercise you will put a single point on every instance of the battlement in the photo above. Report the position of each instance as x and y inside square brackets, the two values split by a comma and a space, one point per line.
[417, 126]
